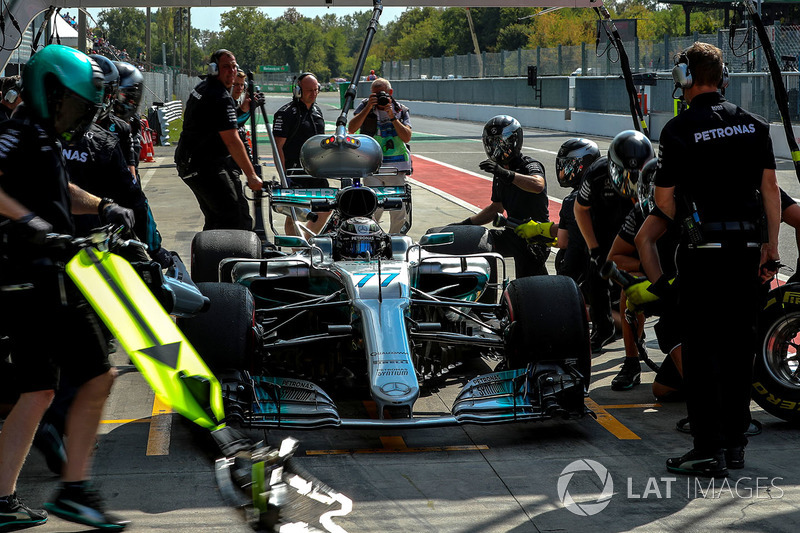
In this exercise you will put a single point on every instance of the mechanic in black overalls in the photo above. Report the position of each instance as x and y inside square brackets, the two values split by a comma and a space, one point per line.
[51, 326]
[126, 103]
[519, 188]
[293, 124]
[600, 211]
[572, 161]
[106, 119]
[716, 176]
[210, 150]
[624, 254]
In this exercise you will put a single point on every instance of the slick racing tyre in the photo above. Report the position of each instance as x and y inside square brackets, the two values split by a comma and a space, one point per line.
[224, 335]
[776, 371]
[541, 331]
[212, 246]
[470, 240]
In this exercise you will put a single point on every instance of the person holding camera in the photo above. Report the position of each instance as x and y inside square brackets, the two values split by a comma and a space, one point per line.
[386, 120]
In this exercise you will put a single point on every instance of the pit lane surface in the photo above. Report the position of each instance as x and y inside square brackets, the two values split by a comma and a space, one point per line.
[156, 469]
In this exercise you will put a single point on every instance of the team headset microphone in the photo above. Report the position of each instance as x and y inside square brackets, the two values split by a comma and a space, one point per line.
[213, 68]
[682, 75]
[297, 91]
[12, 94]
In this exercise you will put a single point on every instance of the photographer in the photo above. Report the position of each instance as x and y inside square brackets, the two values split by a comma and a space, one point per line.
[380, 116]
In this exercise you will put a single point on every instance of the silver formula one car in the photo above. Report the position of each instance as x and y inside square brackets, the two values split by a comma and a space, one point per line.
[352, 309]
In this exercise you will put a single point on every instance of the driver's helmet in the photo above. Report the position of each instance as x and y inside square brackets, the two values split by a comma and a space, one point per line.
[110, 83]
[63, 88]
[502, 138]
[645, 190]
[131, 90]
[359, 238]
[627, 154]
[573, 158]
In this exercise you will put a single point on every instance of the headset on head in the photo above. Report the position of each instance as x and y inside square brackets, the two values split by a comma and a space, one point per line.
[213, 68]
[682, 75]
[12, 94]
[297, 91]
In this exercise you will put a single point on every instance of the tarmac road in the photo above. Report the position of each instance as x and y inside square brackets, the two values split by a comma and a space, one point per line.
[157, 470]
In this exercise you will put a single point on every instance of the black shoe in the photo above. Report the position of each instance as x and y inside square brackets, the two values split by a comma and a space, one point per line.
[50, 442]
[734, 457]
[703, 464]
[629, 375]
[15, 514]
[600, 338]
[78, 502]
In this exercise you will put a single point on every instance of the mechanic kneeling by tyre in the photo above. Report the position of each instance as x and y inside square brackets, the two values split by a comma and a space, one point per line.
[520, 189]
[716, 178]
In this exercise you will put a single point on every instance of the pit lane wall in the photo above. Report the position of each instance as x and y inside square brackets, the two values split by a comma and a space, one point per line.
[583, 105]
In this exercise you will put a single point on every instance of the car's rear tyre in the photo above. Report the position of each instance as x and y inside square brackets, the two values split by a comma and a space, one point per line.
[470, 240]
[224, 335]
[776, 383]
[212, 246]
[547, 322]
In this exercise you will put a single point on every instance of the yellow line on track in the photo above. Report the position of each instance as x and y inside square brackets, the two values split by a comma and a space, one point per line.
[160, 429]
[632, 406]
[127, 421]
[605, 419]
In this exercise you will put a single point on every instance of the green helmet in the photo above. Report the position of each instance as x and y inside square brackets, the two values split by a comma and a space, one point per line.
[62, 86]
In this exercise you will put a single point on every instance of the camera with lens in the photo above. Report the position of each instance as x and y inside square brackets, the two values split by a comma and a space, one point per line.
[383, 98]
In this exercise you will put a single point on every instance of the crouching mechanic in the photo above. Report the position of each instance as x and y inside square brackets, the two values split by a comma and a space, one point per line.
[573, 159]
[605, 199]
[623, 252]
[520, 189]
[62, 90]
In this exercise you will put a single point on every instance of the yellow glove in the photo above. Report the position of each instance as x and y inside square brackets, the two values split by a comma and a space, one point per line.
[534, 229]
[638, 295]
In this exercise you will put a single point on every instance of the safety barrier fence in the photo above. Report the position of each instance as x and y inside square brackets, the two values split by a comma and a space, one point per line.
[600, 94]
[739, 49]
[160, 115]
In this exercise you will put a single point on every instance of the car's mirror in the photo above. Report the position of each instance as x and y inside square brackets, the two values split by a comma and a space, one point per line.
[436, 239]
[291, 241]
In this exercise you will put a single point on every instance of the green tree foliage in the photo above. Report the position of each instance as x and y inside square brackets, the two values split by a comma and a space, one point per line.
[329, 45]
[125, 26]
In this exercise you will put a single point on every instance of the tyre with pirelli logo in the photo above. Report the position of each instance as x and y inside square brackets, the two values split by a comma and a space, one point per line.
[776, 371]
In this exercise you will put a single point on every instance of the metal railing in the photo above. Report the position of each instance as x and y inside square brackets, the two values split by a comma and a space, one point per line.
[644, 55]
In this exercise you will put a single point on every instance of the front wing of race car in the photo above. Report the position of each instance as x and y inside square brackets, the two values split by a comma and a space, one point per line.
[540, 392]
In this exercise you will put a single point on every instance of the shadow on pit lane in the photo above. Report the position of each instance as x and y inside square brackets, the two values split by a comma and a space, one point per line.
[182, 479]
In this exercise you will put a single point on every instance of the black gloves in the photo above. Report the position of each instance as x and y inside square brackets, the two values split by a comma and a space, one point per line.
[502, 174]
[259, 99]
[466, 222]
[32, 229]
[111, 213]
[665, 289]
[596, 261]
[163, 257]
